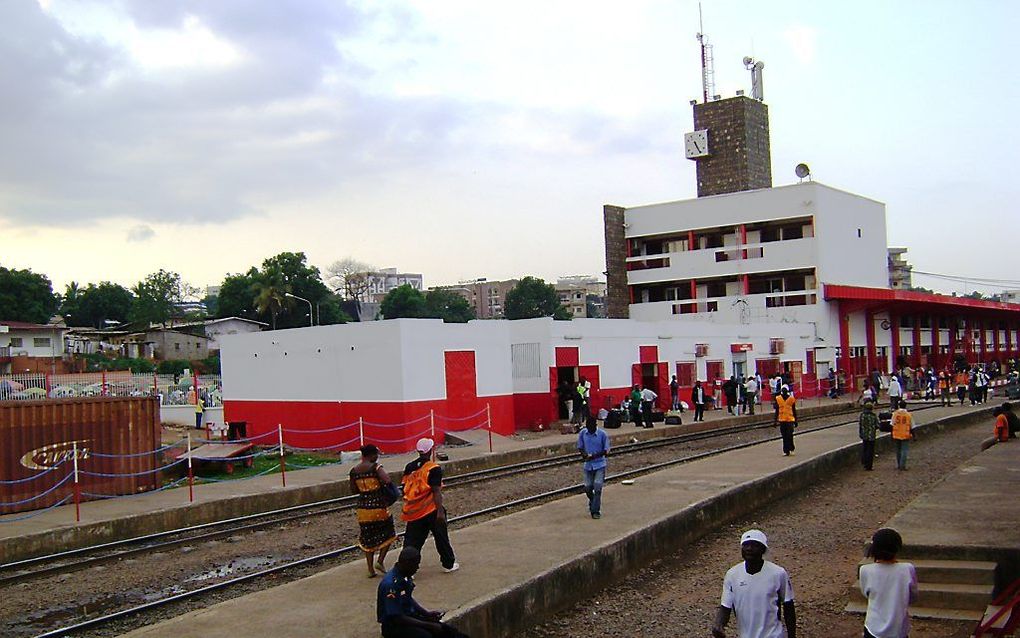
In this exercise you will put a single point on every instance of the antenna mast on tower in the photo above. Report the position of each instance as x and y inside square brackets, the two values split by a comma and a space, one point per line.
[707, 63]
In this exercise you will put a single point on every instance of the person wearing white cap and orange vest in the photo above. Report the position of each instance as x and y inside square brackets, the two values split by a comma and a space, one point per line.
[759, 592]
[423, 509]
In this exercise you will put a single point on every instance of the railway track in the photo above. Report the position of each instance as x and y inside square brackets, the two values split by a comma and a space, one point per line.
[234, 526]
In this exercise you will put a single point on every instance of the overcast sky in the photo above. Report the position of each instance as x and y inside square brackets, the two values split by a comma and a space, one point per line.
[465, 139]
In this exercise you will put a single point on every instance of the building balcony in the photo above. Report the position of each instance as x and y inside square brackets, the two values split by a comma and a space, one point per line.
[735, 308]
[724, 261]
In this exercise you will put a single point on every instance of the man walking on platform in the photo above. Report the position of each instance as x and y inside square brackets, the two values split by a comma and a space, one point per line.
[759, 592]
[398, 612]
[867, 428]
[902, 423]
[786, 418]
[698, 399]
[895, 391]
[593, 444]
[423, 509]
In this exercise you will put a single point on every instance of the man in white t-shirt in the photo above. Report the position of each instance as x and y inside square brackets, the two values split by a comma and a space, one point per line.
[753, 590]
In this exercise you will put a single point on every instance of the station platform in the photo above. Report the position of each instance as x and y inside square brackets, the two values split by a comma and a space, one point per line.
[113, 519]
[501, 586]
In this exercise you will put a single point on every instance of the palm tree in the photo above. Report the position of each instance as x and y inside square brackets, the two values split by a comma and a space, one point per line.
[270, 294]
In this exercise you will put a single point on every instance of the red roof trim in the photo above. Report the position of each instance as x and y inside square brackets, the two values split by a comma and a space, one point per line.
[835, 292]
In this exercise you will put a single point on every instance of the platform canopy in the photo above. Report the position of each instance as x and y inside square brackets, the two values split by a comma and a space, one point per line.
[904, 302]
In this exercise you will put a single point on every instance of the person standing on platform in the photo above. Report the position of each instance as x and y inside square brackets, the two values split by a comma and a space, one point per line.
[635, 404]
[902, 423]
[372, 485]
[674, 394]
[890, 587]
[895, 392]
[593, 445]
[698, 399]
[396, 610]
[648, 397]
[199, 411]
[961, 386]
[730, 391]
[759, 592]
[867, 428]
[945, 399]
[751, 393]
[786, 417]
[423, 509]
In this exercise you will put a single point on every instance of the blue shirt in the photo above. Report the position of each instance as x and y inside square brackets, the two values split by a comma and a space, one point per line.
[591, 444]
[394, 597]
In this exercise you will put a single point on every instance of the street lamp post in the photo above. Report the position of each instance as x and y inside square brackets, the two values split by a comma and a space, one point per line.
[310, 316]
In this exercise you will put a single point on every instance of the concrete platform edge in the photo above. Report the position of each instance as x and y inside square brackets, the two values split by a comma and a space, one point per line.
[511, 610]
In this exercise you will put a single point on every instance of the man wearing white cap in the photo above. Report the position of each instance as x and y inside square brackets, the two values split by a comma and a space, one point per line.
[753, 591]
[423, 509]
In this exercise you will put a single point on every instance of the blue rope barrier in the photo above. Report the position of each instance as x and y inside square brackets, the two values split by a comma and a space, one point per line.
[465, 418]
[40, 495]
[406, 438]
[339, 427]
[168, 486]
[37, 512]
[291, 464]
[102, 455]
[32, 478]
[395, 425]
[244, 478]
[124, 474]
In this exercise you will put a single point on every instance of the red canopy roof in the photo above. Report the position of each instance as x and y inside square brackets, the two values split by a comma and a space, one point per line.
[914, 300]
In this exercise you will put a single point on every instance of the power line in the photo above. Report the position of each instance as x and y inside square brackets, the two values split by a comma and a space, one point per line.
[973, 280]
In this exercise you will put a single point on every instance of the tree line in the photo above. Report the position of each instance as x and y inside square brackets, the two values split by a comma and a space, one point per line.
[267, 293]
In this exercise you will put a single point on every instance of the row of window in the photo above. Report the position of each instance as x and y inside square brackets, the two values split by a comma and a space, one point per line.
[37, 342]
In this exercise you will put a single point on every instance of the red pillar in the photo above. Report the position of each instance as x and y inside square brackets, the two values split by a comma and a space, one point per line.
[869, 335]
[746, 284]
[894, 321]
[995, 339]
[1009, 341]
[968, 340]
[916, 341]
[694, 289]
[690, 240]
[844, 347]
[984, 339]
[953, 338]
[936, 338]
[743, 241]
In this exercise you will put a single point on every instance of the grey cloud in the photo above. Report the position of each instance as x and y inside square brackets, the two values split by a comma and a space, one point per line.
[87, 136]
[141, 232]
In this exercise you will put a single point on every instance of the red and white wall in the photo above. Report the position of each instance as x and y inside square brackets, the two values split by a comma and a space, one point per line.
[391, 382]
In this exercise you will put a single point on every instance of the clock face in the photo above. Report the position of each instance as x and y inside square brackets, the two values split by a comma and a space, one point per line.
[696, 144]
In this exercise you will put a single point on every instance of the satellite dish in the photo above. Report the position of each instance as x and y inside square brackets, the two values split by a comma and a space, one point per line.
[802, 171]
[748, 61]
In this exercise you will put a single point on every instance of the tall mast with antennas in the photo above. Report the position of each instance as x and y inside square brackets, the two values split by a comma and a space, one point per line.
[707, 63]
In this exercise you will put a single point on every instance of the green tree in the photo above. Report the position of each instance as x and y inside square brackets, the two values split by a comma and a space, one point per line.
[237, 295]
[403, 301]
[157, 297]
[448, 306]
[271, 294]
[531, 298]
[26, 296]
[95, 305]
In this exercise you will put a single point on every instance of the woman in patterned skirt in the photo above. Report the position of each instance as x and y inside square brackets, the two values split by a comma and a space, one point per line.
[369, 481]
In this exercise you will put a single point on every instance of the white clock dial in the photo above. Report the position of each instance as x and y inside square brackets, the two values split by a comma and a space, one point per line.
[696, 144]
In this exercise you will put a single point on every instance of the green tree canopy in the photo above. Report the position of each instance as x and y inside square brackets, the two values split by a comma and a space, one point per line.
[261, 294]
[403, 301]
[157, 296]
[448, 306]
[26, 296]
[531, 298]
[95, 305]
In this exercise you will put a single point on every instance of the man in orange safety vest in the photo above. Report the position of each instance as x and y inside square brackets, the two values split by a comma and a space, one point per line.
[423, 509]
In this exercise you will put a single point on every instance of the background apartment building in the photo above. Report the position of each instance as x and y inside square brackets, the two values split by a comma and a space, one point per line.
[380, 282]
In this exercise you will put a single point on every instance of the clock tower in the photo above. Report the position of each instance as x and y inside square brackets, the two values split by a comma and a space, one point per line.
[730, 143]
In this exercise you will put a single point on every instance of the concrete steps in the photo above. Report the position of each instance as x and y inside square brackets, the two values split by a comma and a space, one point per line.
[947, 589]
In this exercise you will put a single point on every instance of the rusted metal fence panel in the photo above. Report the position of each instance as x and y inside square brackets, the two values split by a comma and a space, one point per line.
[117, 441]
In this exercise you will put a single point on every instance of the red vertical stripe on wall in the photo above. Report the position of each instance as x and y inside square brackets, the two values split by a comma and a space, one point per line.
[648, 354]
